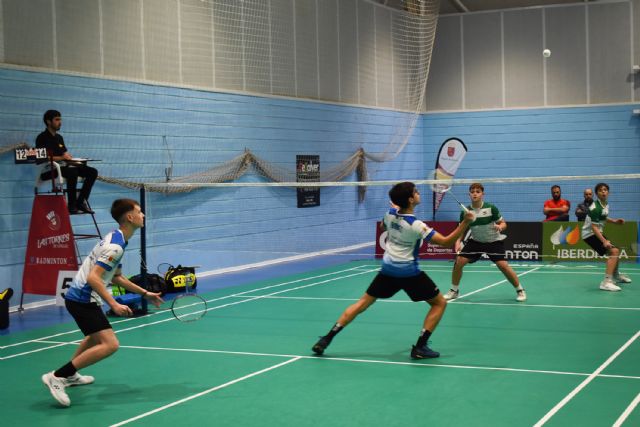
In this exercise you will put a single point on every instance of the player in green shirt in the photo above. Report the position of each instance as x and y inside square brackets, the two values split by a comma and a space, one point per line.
[593, 235]
[485, 237]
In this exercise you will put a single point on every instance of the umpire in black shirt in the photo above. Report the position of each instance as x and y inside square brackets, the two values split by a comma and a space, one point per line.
[57, 151]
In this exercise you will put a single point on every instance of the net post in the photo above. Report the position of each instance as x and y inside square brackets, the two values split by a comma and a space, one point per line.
[143, 247]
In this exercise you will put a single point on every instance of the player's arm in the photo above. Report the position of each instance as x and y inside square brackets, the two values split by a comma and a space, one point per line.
[120, 280]
[449, 240]
[97, 284]
[607, 244]
[615, 221]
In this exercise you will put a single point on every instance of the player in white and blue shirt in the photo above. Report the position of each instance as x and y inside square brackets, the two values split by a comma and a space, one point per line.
[107, 254]
[88, 291]
[400, 270]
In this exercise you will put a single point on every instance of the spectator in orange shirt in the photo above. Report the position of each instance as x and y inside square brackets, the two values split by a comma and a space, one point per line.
[556, 208]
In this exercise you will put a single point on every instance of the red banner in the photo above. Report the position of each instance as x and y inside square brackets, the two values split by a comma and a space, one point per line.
[427, 250]
[50, 247]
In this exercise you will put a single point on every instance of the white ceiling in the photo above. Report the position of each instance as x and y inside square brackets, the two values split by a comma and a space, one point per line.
[462, 6]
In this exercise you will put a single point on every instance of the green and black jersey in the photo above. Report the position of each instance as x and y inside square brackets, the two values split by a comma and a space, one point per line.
[483, 228]
[597, 215]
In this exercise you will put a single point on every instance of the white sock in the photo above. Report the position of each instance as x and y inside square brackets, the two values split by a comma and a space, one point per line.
[455, 287]
[519, 288]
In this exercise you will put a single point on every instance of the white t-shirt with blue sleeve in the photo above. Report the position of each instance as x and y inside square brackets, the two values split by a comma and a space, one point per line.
[107, 254]
[405, 235]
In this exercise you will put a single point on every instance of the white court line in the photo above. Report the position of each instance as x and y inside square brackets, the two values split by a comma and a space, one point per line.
[202, 393]
[492, 285]
[622, 418]
[169, 319]
[518, 304]
[211, 300]
[383, 362]
[584, 383]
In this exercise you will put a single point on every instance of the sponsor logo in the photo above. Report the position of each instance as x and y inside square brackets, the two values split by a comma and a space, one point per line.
[51, 261]
[566, 236]
[518, 254]
[586, 254]
[56, 241]
[54, 223]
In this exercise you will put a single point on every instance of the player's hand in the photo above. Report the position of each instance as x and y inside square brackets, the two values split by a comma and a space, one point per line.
[607, 244]
[154, 298]
[498, 228]
[122, 310]
[469, 217]
[67, 156]
[619, 221]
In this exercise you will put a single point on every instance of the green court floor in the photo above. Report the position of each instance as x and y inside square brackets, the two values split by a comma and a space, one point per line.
[569, 356]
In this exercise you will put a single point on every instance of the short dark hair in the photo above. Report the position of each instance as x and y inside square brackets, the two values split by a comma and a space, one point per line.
[476, 185]
[120, 207]
[556, 186]
[50, 115]
[401, 192]
[602, 184]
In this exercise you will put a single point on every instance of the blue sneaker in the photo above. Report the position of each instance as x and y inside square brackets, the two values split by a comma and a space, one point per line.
[423, 352]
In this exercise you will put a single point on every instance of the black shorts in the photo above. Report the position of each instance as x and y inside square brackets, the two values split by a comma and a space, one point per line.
[89, 316]
[597, 245]
[419, 288]
[473, 250]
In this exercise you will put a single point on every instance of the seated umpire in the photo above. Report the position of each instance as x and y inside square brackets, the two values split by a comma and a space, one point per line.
[57, 151]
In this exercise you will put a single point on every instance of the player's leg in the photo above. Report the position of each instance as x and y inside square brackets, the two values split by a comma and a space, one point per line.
[456, 277]
[422, 288]
[100, 341]
[347, 316]
[79, 379]
[617, 276]
[512, 277]
[607, 283]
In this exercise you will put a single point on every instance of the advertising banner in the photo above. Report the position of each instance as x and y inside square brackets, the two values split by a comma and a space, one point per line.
[524, 241]
[561, 241]
[450, 156]
[50, 247]
[308, 170]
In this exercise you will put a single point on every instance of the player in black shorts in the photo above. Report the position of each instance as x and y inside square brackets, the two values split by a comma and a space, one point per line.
[593, 235]
[400, 270]
[85, 297]
[485, 237]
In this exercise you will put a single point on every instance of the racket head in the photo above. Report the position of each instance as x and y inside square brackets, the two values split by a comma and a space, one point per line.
[188, 307]
[444, 181]
[443, 185]
[163, 268]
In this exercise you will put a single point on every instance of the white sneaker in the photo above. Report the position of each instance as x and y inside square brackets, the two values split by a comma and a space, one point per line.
[622, 278]
[78, 379]
[452, 294]
[608, 285]
[521, 295]
[56, 387]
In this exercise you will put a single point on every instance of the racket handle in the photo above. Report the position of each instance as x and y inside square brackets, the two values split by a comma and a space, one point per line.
[464, 208]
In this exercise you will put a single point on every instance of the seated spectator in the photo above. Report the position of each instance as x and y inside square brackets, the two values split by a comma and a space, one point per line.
[57, 151]
[583, 208]
[556, 208]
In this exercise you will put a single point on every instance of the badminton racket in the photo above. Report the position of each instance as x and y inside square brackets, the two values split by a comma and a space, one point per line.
[189, 306]
[442, 183]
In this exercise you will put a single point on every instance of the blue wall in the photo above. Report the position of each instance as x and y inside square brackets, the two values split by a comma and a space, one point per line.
[123, 123]
[538, 143]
